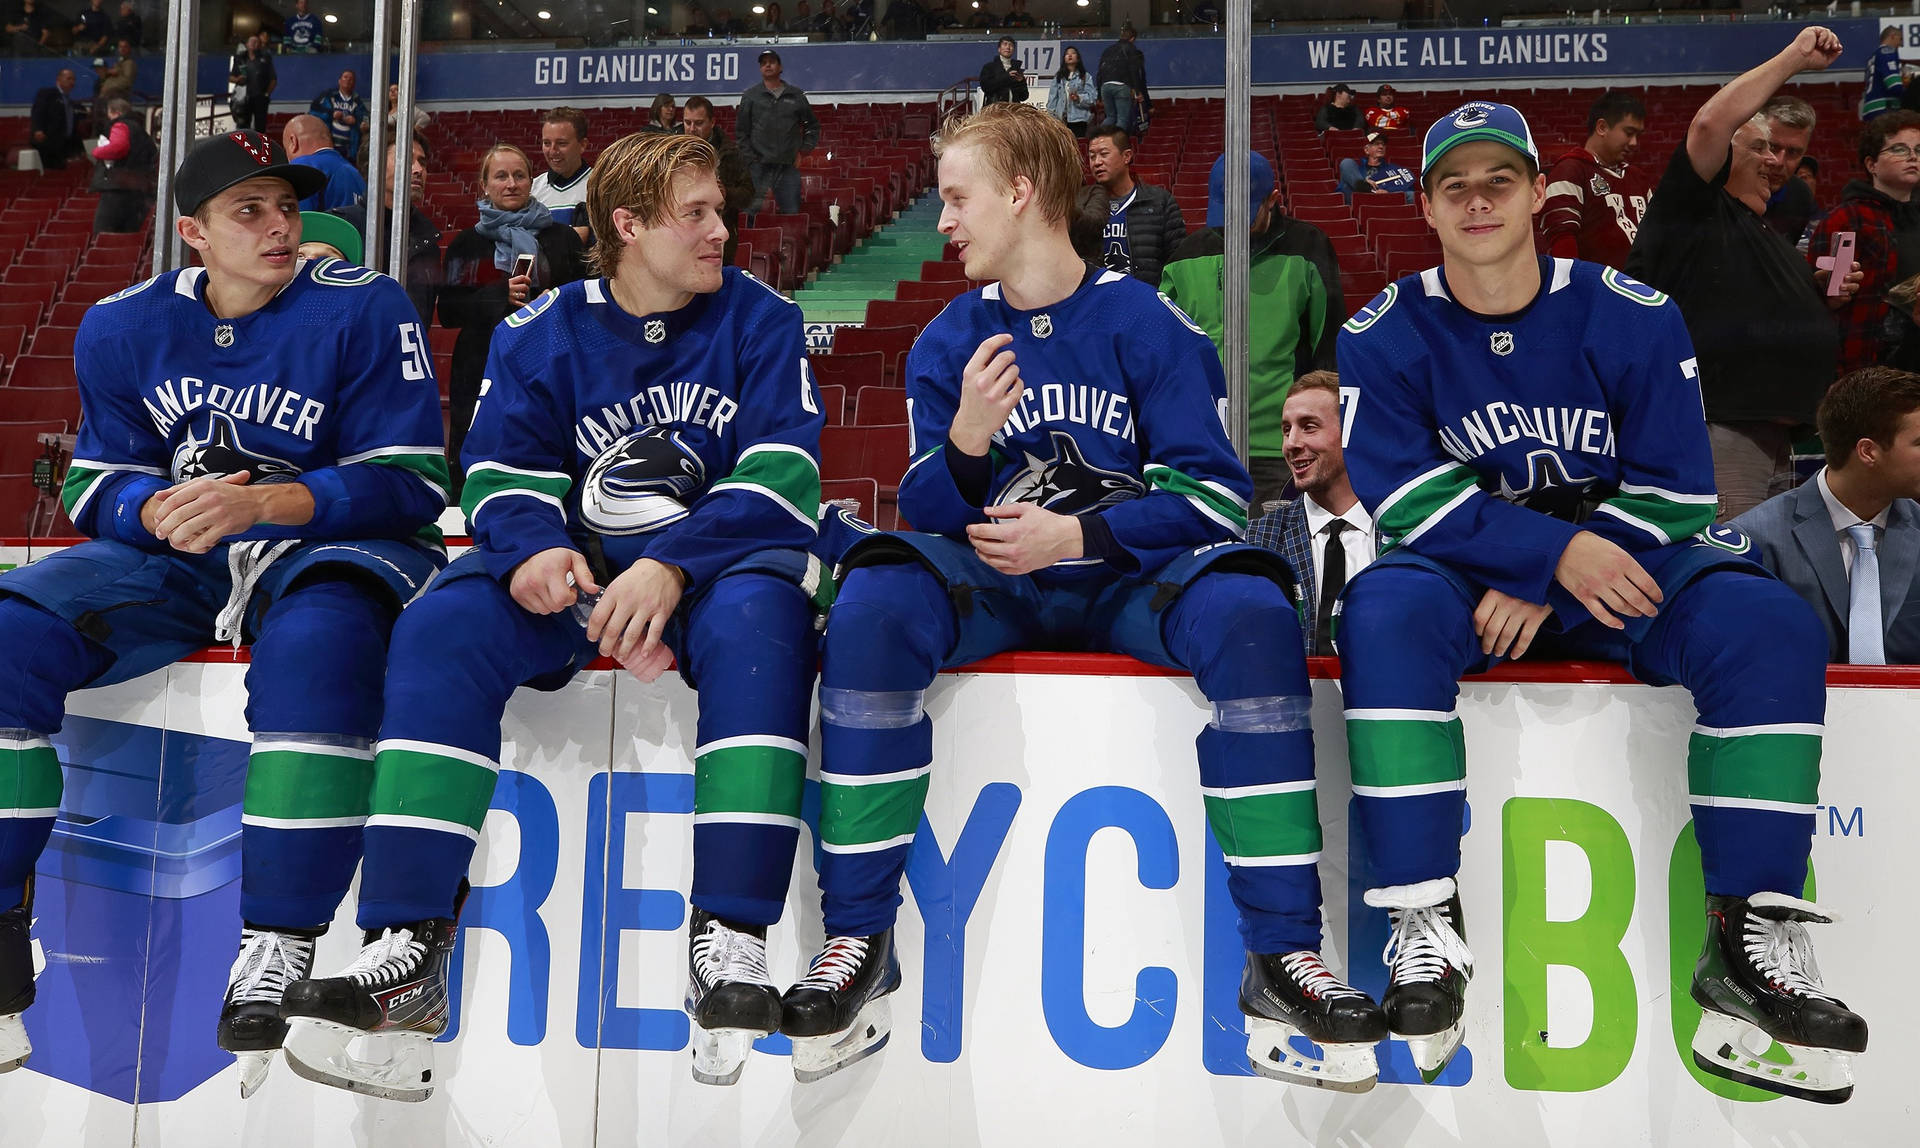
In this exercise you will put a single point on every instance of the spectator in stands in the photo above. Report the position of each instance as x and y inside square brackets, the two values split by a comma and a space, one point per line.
[774, 125]
[562, 188]
[253, 78]
[944, 15]
[1001, 79]
[1884, 83]
[1596, 195]
[124, 170]
[309, 143]
[774, 21]
[1295, 309]
[344, 113]
[423, 236]
[93, 28]
[1383, 116]
[303, 32]
[735, 181]
[804, 22]
[1902, 335]
[420, 118]
[1849, 541]
[128, 26]
[32, 29]
[1122, 76]
[52, 121]
[1127, 226]
[1790, 209]
[1884, 218]
[1073, 97]
[663, 116]
[1372, 174]
[1764, 341]
[1325, 535]
[1338, 114]
[479, 288]
[1016, 16]
[324, 236]
[698, 22]
[119, 79]
[983, 16]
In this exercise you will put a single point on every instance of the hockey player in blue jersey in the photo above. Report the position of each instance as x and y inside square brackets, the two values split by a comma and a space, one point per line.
[259, 459]
[1528, 434]
[646, 444]
[1076, 490]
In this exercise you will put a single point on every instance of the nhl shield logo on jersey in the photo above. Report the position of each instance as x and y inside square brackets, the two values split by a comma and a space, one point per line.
[1042, 326]
[1067, 483]
[656, 330]
[1501, 342]
[223, 335]
[221, 452]
[639, 483]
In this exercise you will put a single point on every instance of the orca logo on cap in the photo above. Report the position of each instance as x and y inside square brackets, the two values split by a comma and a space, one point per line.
[1472, 116]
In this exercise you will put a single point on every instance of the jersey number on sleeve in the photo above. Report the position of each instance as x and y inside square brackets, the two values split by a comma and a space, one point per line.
[806, 387]
[415, 361]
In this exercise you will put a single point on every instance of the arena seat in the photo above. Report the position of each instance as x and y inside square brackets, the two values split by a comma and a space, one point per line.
[945, 291]
[43, 371]
[833, 402]
[27, 404]
[20, 443]
[902, 313]
[892, 342]
[880, 406]
[851, 370]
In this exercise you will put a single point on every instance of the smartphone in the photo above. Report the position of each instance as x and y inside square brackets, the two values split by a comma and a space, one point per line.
[1842, 252]
[523, 264]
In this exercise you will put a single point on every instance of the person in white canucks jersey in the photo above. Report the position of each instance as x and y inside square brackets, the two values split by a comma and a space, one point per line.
[562, 188]
[643, 483]
[259, 459]
[1075, 489]
[1528, 434]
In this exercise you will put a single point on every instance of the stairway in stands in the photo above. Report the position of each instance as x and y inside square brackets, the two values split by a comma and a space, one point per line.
[871, 271]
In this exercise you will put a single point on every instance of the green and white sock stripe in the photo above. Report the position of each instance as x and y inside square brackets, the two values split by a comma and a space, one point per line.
[307, 785]
[1666, 516]
[786, 474]
[84, 476]
[1406, 753]
[1262, 825]
[426, 463]
[866, 813]
[29, 776]
[490, 480]
[755, 779]
[421, 785]
[1209, 498]
[1770, 767]
[1424, 500]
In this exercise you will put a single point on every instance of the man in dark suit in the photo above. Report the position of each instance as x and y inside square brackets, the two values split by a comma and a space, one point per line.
[52, 121]
[1849, 541]
[1324, 535]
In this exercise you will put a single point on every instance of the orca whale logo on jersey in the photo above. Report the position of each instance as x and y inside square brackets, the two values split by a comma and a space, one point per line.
[1550, 489]
[222, 453]
[656, 330]
[223, 335]
[638, 484]
[1042, 326]
[1727, 537]
[1067, 483]
[1501, 342]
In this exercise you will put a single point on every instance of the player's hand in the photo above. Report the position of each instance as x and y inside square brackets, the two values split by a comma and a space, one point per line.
[1025, 538]
[1506, 625]
[518, 289]
[196, 516]
[1606, 580]
[633, 614]
[990, 388]
[1816, 48]
[541, 584]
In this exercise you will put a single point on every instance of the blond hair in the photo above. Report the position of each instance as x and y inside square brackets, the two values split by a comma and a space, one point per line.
[1328, 381]
[1015, 140]
[637, 173]
[486, 161]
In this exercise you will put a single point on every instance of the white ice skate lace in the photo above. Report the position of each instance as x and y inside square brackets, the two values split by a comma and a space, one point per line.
[1311, 975]
[267, 964]
[1782, 952]
[1423, 944]
[722, 955]
[246, 562]
[386, 959]
[836, 965]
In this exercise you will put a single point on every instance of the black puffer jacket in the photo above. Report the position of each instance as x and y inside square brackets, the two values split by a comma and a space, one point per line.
[1154, 228]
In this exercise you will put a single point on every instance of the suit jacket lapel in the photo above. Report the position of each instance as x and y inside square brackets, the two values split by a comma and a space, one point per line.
[1899, 555]
[1813, 531]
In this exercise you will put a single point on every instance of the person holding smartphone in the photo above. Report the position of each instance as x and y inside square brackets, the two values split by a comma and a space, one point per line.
[516, 251]
[1001, 79]
[1875, 219]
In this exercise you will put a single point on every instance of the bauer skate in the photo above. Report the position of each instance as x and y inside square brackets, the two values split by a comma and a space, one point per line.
[1293, 994]
[393, 998]
[251, 1024]
[16, 982]
[840, 1012]
[1757, 980]
[1428, 967]
[729, 995]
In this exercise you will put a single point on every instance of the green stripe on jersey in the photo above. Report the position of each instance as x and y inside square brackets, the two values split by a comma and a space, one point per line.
[749, 779]
[415, 783]
[490, 478]
[1266, 824]
[1203, 496]
[1783, 767]
[1412, 507]
[293, 785]
[430, 468]
[788, 475]
[80, 480]
[854, 815]
[29, 779]
[1395, 754]
[1661, 515]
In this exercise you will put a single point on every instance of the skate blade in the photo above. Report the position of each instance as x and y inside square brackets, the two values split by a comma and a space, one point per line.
[1434, 1051]
[720, 1054]
[317, 1050]
[14, 1045]
[1725, 1047]
[253, 1070]
[818, 1057]
[1341, 1067]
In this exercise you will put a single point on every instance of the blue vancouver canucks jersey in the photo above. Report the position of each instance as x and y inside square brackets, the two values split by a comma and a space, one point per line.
[691, 437]
[1123, 417]
[330, 384]
[1486, 441]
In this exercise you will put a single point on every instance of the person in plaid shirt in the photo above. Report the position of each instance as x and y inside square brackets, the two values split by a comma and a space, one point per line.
[1885, 220]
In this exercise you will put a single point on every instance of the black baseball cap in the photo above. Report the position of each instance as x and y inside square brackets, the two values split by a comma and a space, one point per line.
[762, 58]
[1341, 88]
[216, 164]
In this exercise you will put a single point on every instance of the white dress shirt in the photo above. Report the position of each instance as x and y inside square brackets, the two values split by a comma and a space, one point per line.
[1357, 541]
[1843, 518]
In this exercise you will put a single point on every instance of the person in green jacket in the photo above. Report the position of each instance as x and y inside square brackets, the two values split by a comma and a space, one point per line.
[1295, 310]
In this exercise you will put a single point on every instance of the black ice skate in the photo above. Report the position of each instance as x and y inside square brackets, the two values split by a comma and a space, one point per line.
[1757, 980]
[16, 981]
[1292, 994]
[1428, 967]
[251, 1024]
[393, 997]
[839, 1013]
[729, 995]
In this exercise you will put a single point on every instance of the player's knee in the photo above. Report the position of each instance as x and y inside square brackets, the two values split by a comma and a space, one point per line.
[327, 620]
[1392, 606]
[1243, 623]
[47, 659]
[757, 608]
[886, 608]
[1763, 623]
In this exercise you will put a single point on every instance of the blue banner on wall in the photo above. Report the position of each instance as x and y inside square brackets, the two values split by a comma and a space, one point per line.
[719, 69]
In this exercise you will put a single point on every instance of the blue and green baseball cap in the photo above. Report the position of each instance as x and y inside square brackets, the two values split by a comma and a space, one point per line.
[1478, 120]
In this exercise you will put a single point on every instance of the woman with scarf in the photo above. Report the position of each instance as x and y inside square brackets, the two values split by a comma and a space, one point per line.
[480, 287]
